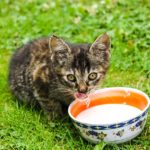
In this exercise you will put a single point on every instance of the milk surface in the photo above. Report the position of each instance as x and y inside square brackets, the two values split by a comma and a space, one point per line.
[108, 113]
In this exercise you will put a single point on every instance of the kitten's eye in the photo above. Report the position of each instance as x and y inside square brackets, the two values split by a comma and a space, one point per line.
[92, 76]
[71, 77]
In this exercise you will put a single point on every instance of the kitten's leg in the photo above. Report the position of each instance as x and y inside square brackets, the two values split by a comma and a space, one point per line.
[41, 83]
[52, 108]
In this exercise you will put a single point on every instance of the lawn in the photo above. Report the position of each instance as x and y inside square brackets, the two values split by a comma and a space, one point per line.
[127, 23]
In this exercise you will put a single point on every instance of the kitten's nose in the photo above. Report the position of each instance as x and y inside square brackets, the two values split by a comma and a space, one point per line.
[82, 88]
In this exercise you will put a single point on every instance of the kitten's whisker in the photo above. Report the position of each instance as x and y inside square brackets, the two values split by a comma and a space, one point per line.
[92, 90]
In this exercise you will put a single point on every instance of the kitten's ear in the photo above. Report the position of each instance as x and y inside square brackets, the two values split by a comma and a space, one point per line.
[57, 44]
[101, 48]
[59, 50]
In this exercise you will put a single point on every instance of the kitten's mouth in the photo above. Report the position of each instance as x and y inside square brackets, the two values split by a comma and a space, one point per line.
[80, 95]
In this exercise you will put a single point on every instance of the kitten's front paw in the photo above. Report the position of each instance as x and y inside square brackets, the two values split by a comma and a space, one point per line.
[54, 115]
[52, 108]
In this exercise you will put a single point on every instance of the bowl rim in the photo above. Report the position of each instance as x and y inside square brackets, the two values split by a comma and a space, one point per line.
[113, 88]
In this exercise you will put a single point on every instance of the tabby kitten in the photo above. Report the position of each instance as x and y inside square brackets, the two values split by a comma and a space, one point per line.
[51, 72]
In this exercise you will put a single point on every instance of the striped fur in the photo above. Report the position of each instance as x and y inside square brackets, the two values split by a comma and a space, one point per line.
[39, 70]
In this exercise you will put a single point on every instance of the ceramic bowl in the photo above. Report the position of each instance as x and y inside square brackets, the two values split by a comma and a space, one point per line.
[116, 132]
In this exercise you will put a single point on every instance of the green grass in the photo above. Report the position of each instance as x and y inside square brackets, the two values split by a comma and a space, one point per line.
[127, 22]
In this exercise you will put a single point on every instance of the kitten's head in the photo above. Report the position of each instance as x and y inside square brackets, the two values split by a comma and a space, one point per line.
[79, 68]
